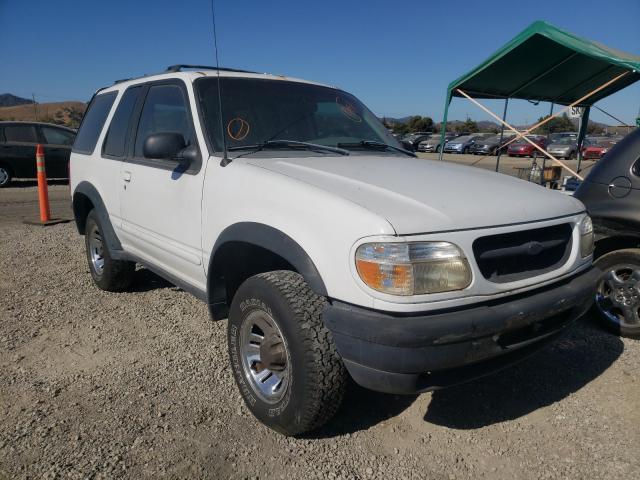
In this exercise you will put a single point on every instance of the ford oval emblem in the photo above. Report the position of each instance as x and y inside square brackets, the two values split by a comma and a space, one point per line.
[534, 248]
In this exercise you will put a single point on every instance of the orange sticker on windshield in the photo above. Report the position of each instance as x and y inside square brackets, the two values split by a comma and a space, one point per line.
[348, 110]
[238, 129]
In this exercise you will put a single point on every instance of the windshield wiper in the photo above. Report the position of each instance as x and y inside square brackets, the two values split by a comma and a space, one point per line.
[375, 145]
[287, 143]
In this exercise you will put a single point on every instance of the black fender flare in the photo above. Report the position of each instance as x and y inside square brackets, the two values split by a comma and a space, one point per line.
[89, 191]
[271, 239]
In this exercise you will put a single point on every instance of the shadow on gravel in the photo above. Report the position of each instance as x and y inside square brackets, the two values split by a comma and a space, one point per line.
[146, 281]
[362, 409]
[550, 375]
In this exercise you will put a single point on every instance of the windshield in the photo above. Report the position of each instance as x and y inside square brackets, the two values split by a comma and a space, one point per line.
[261, 110]
[461, 139]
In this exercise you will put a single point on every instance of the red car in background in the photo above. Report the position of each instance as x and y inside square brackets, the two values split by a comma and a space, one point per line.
[596, 151]
[522, 148]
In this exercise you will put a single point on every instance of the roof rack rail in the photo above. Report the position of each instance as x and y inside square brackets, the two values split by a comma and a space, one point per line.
[122, 80]
[179, 68]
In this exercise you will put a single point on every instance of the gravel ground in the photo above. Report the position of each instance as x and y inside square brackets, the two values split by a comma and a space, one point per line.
[102, 385]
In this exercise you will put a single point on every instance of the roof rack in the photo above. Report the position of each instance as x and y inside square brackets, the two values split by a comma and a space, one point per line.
[179, 68]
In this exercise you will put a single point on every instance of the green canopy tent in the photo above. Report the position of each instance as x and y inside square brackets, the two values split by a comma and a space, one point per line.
[545, 63]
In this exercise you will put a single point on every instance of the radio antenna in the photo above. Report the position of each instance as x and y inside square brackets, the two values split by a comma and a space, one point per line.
[225, 155]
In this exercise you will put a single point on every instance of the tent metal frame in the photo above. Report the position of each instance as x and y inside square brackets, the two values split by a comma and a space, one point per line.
[522, 135]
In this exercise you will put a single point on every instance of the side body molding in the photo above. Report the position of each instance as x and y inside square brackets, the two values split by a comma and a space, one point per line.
[80, 212]
[266, 237]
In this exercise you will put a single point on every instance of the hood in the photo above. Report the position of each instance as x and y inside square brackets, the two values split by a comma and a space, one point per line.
[559, 146]
[421, 196]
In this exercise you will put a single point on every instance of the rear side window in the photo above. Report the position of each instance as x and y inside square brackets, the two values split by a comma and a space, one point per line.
[93, 122]
[20, 133]
[57, 136]
[114, 144]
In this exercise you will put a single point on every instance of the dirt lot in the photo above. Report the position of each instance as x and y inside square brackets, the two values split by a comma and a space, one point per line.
[100, 385]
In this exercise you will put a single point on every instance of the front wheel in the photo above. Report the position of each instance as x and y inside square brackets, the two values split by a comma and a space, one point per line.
[283, 357]
[618, 294]
[5, 176]
[108, 274]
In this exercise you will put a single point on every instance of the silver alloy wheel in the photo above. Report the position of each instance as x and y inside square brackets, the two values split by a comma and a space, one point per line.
[96, 252]
[265, 356]
[4, 175]
[618, 295]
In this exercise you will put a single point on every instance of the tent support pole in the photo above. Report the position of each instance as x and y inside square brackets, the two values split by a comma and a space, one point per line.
[535, 145]
[560, 112]
[584, 124]
[443, 126]
[504, 117]
[615, 118]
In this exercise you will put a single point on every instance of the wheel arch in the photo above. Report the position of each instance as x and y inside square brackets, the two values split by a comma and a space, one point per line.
[247, 248]
[85, 199]
[612, 243]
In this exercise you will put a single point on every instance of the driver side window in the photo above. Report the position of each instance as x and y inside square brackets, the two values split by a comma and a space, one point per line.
[165, 110]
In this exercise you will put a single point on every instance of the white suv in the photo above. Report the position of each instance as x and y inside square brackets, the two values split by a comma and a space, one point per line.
[288, 208]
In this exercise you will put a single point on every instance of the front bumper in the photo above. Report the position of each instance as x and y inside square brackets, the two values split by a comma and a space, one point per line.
[397, 353]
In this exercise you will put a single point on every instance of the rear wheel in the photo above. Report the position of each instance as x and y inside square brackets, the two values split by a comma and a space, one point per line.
[283, 357]
[618, 295]
[107, 273]
[5, 176]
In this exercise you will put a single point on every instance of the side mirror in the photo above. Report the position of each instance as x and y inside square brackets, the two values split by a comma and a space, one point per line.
[164, 145]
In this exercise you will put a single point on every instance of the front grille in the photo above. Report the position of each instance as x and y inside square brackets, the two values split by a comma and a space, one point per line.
[508, 257]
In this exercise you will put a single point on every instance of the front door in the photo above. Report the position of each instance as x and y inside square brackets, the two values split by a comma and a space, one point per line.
[161, 199]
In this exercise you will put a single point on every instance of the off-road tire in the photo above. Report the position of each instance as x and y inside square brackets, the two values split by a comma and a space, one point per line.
[116, 275]
[5, 176]
[606, 263]
[317, 376]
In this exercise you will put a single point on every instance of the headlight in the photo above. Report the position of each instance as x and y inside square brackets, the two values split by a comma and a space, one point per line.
[413, 268]
[586, 236]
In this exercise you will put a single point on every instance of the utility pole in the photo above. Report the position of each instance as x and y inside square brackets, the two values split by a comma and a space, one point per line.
[35, 105]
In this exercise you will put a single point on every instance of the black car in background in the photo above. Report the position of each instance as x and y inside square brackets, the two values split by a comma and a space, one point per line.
[611, 193]
[18, 142]
[489, 145]
[412, 140]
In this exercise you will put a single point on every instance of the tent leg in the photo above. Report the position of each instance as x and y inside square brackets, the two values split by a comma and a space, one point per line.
[584, 123]
[443, 126]
[504, 117]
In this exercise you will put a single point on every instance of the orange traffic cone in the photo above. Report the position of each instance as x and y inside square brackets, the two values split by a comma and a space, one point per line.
[43, 189]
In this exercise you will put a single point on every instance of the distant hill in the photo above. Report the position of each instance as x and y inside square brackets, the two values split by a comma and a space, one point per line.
[9, 100]
[61, 113]
[394, 121]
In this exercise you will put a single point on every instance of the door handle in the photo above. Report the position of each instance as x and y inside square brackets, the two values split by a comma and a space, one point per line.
[127, 176]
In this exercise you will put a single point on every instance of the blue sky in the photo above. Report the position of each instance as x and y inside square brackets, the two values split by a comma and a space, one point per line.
[397, 57]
